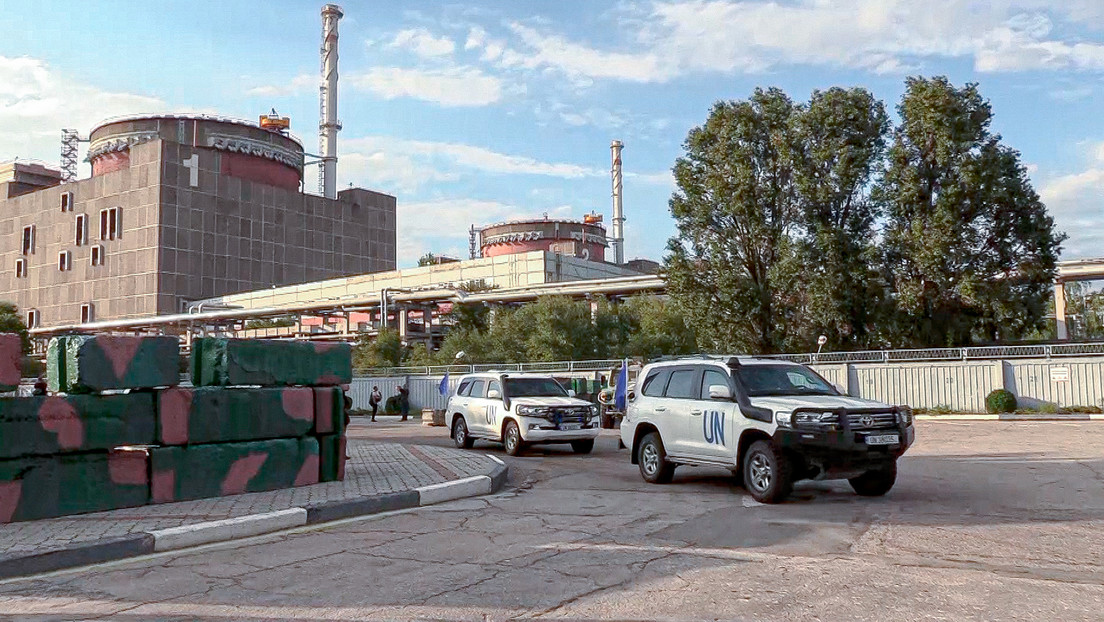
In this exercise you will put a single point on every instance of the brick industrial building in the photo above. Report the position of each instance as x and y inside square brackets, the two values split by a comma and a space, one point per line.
[178, 209]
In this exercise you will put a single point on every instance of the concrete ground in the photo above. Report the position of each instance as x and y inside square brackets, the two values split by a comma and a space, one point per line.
[989, 520]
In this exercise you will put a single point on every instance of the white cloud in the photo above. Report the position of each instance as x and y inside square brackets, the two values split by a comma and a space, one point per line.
[393, 173]
[451, 86]
[468, 156]
[36, 102]
[674, 38]
[301, 83]
[1076, 201]
[423, 43]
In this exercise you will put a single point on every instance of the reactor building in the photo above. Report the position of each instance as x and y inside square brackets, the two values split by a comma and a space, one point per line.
[181, 208]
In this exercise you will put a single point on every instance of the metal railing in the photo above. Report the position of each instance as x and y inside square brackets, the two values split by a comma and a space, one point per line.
[979, 353]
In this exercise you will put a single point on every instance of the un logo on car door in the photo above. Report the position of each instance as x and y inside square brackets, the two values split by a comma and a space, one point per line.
[713, 427]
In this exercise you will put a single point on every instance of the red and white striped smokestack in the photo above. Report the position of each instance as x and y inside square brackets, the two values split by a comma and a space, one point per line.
[618, 221]
[328, 125]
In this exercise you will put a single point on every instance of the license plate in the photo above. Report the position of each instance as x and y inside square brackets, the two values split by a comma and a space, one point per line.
[883, 439]
[571, 426]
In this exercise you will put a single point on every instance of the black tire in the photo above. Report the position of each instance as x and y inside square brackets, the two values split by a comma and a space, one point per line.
[652, 458]
[768, 474]
[875, 483]
[583, 446]
[460, 434]
[511, 439]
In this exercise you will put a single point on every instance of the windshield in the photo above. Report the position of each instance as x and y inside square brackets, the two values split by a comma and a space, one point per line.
[764, 380]
[534, 387]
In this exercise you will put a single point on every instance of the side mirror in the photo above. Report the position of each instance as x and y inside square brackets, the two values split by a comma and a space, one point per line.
[719, 392]
[571, 392]
[494, 394]
[839, 387]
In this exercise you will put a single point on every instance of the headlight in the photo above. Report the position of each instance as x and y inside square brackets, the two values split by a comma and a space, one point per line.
[593, 411]
[529, 411]
[815, 420]
[904, 416]
[784, 419]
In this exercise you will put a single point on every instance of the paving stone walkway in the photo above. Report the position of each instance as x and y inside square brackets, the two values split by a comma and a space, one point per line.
[372, 469]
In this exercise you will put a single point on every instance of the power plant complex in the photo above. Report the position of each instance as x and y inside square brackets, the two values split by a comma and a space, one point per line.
[188, 215]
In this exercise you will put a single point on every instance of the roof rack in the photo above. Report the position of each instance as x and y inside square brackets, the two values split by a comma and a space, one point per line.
[731, 361]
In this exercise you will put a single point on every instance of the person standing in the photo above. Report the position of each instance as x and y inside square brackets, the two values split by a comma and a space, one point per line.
[404, 402]
[374, 399]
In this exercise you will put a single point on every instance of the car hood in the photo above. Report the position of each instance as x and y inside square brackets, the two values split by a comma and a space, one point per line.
[790, 402]
[549, 401]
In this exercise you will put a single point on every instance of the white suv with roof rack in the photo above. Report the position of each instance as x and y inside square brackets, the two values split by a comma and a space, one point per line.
[770, 421]
[519, 410]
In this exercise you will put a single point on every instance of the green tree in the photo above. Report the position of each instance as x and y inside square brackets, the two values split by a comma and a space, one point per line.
[969, 248]
[657, 327]
[428, 259]
[735, 207]
[840, 139]
[12, 322]
[385, 350]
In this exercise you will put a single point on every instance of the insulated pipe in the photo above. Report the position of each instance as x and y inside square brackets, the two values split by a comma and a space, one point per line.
[328, 125]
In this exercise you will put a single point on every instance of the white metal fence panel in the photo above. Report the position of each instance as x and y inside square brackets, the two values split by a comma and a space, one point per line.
[1063, 382]
[960, 386]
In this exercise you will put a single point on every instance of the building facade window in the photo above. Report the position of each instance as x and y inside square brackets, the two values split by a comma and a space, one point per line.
[66, 201]
[88, 313]
[111, 223]
[65, 261]
[82, 230]
[20, 268]
[97, 255]
[29, 240]
[32, 318]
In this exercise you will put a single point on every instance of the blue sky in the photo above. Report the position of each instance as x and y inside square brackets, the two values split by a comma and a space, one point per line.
[480, 112]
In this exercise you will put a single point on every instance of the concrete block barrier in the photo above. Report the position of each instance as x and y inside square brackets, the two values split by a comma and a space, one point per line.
[332, 456]
[42, 426]
[190, 416]
[11, 353]
[212, 470]
[232, 362]
[329, 410]
[48, 487]
[88, 364]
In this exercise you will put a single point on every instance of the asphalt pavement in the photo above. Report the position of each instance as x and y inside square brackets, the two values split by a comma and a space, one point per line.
[989, 520]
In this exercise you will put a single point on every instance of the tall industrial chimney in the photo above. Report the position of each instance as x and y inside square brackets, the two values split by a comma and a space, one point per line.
[618, 214]
[328, 125]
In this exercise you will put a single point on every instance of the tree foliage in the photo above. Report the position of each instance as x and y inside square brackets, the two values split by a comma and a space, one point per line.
[12, 322]
[795, 220]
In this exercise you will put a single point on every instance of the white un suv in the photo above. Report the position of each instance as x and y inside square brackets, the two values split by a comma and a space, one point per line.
[771, 422]
[518, 410]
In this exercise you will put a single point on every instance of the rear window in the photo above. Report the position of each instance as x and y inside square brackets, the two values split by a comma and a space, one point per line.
[655, 383]
[682, 385]
[464, 388]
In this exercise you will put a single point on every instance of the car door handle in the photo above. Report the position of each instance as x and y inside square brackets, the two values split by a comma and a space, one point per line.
[661, 409]
[696, 413]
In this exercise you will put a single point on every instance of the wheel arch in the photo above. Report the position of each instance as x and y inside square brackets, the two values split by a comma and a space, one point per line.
[748, 437]
[452, 421]
[641, 431]
[506, 418]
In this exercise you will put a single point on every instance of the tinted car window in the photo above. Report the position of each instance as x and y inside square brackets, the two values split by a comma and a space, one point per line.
[534, 387]
[655, 383]
[712, 377]
[464, 388]
[494, 386]
[682, 385]
[477, 388]
[763, 380]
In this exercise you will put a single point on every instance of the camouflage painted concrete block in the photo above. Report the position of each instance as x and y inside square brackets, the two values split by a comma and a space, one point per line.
[331, 454]
[329, 410]
[31, 426]
[103, 362]
[222, 362]
[215, 415]
[217, 469]
[11, 352]
[55, 363]
[48, 487]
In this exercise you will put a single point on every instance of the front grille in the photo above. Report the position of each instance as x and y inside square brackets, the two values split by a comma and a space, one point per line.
[877, 421]
[570, 414]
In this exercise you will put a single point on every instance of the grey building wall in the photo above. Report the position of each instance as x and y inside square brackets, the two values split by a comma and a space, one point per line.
[182, 243]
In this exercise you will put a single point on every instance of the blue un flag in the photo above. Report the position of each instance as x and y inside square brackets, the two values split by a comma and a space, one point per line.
[620, 392]
[443, 388]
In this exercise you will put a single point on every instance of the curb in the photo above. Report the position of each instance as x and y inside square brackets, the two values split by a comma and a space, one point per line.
[176, 538]
[1012, 417]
